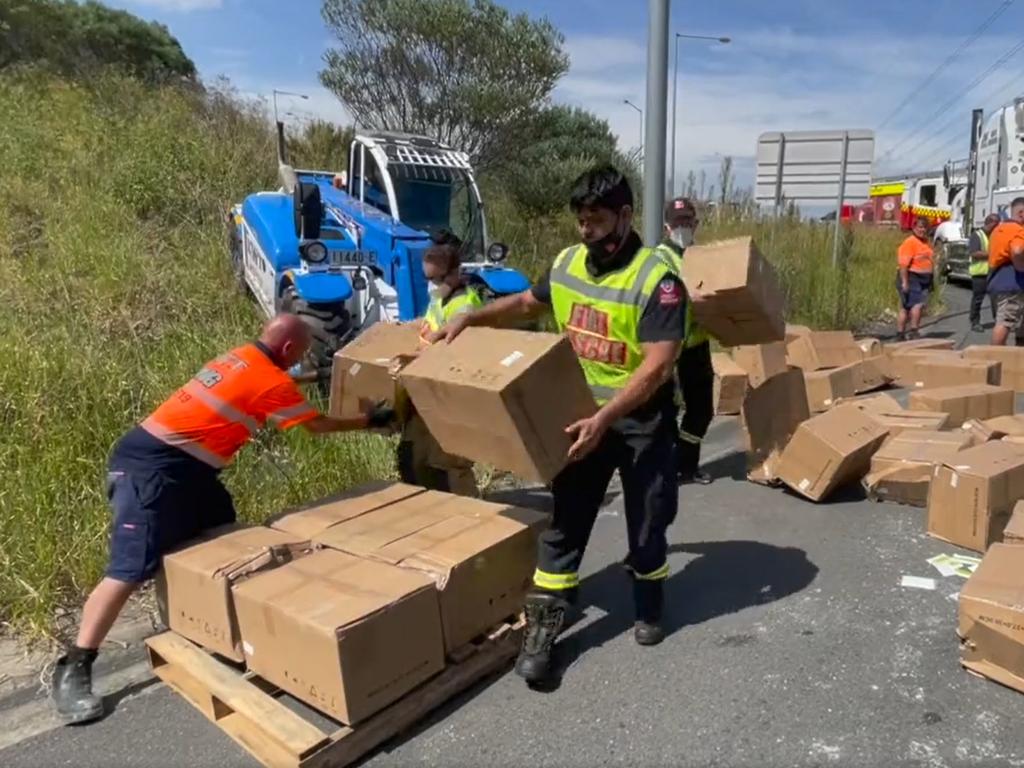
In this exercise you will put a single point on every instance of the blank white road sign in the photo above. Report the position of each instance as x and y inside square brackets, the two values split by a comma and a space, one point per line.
[807, 166]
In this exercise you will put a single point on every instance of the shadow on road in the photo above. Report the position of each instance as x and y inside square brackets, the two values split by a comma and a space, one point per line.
[734, 466]
[726, 577]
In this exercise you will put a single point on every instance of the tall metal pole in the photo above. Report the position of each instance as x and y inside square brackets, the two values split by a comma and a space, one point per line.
[972, 173]
[840, 197]
[657, 99]
[672, 139]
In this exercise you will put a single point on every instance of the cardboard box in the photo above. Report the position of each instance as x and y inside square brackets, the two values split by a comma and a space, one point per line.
[503, 398]
[991, 618]
[892, 351]
[972, 495]
[874, 403]
[195, 586]
[968, 401]
[1010, 358]
[898, 422]
[830, 450]
[761, 361]
[1002, 426]
[346, 635]
[480, 555]
[310, 519]
[796, 331]
[823, 349]
[903, 367]
[903, 467]
[937, 371]
[825, 387]
[743, 303]
[730, 385]
[870, 347]
[1013, 533]
[870, 374]
[771, 414]
[364, 370]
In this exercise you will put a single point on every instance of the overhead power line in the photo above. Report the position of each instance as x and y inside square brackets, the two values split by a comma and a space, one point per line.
[948, 61]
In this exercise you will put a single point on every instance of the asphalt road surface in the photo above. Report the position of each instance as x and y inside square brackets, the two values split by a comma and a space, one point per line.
[791, 643]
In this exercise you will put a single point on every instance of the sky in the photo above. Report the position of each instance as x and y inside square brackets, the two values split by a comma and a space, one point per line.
[791, 65]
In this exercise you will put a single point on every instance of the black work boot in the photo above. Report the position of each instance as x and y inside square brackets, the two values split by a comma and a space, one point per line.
[648, 597]
[698, 476]
[545, 616]
[72, 688]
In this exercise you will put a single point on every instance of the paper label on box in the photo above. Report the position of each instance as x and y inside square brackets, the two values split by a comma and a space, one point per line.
[828, 401]
[512, 359]
[247, 648]
[354, 369]
[804, 484]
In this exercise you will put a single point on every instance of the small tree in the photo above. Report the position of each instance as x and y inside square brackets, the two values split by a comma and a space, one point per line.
[321, 146]
[726, 180]
[465, 72]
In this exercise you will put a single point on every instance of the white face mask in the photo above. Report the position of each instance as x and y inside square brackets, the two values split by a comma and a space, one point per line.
[682, 236]
[434, 289]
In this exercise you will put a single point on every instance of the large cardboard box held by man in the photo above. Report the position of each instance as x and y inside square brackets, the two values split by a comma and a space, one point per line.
[195, 587]
[991, 625]
[503, 398]
[730, 385]
[830, 450]
[480, 555]
[968, 401]
[346, 635]
[317, 516]
[771, 414]
[1011, 360]
[823, 349]
[364, 370]
[743, 303]
[903, 467]
[973, 494]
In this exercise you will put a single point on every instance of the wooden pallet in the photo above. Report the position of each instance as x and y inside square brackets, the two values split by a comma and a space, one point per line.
[246, 708]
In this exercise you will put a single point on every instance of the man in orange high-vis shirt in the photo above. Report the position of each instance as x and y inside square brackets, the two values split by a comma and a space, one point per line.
[163, 484]
[1006, 275]
[916, 267]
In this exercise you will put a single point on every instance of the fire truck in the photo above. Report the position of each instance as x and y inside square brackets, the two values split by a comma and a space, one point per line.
[898, 202]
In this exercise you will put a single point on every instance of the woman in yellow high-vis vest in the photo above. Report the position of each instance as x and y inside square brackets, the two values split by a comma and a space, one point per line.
[623, 307]
[977, 247]
[421, 461]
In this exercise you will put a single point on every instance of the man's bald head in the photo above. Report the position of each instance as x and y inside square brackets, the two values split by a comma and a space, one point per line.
[287, 337]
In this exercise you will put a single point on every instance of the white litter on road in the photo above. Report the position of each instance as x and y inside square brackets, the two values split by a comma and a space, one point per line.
[917, 582]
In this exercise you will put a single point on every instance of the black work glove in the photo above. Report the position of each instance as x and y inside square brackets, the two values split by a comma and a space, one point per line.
[380, 416]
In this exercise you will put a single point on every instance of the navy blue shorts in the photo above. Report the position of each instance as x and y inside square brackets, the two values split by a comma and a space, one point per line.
[157, 510]
[920, 288]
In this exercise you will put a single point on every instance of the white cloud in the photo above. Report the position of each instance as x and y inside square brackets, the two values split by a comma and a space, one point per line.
[181, 6]
[763, 82]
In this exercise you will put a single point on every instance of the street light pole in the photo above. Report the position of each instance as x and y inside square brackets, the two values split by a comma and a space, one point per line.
[285, 93]
[657, 98]
[641, 113]
[675, 91]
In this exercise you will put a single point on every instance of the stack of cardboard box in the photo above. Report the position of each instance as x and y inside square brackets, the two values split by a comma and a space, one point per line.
[832, 365]
[323, 603]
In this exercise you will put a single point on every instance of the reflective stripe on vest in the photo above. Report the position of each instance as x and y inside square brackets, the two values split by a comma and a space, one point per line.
[694, 333]
[439, 313]
[601, 315]
[979, 268]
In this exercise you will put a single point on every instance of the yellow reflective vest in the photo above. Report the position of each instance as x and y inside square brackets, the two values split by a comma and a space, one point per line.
[694, 334]
[979, 268]
[601, 315]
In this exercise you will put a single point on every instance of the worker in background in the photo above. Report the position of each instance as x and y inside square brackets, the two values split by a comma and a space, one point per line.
[916, 260]
[694, 374]
[977, 248]
[623, 309]
[163, 480]
[1006, 275]
[421, 461]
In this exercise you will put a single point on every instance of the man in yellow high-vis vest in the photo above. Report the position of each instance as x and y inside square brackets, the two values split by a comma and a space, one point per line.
[421, 460]
[623, 308]
[977, 248]
[694, 373]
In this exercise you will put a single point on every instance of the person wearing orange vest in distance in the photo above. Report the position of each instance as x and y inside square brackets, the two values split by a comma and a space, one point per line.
[914, 279]
[163, 483]
[1006, 276]
[421, 461]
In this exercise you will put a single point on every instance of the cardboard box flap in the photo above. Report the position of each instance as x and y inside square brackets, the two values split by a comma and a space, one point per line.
[329, 590]
[986, 461]
[239, 552]
[1001, 426]
[923, 446]
[999, 579]
[910, 420]
[846, 429]
[317, 516]
[383, 342]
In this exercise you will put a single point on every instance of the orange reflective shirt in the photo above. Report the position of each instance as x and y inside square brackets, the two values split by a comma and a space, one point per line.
[916, 255]
[226, 403]
[1001, 241]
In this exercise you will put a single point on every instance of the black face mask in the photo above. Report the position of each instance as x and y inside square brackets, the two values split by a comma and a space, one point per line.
[604, 250]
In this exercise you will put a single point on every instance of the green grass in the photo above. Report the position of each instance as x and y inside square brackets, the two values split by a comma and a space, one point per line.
[115, 289]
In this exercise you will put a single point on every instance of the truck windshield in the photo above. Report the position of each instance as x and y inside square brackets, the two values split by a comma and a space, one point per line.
[431, 205]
